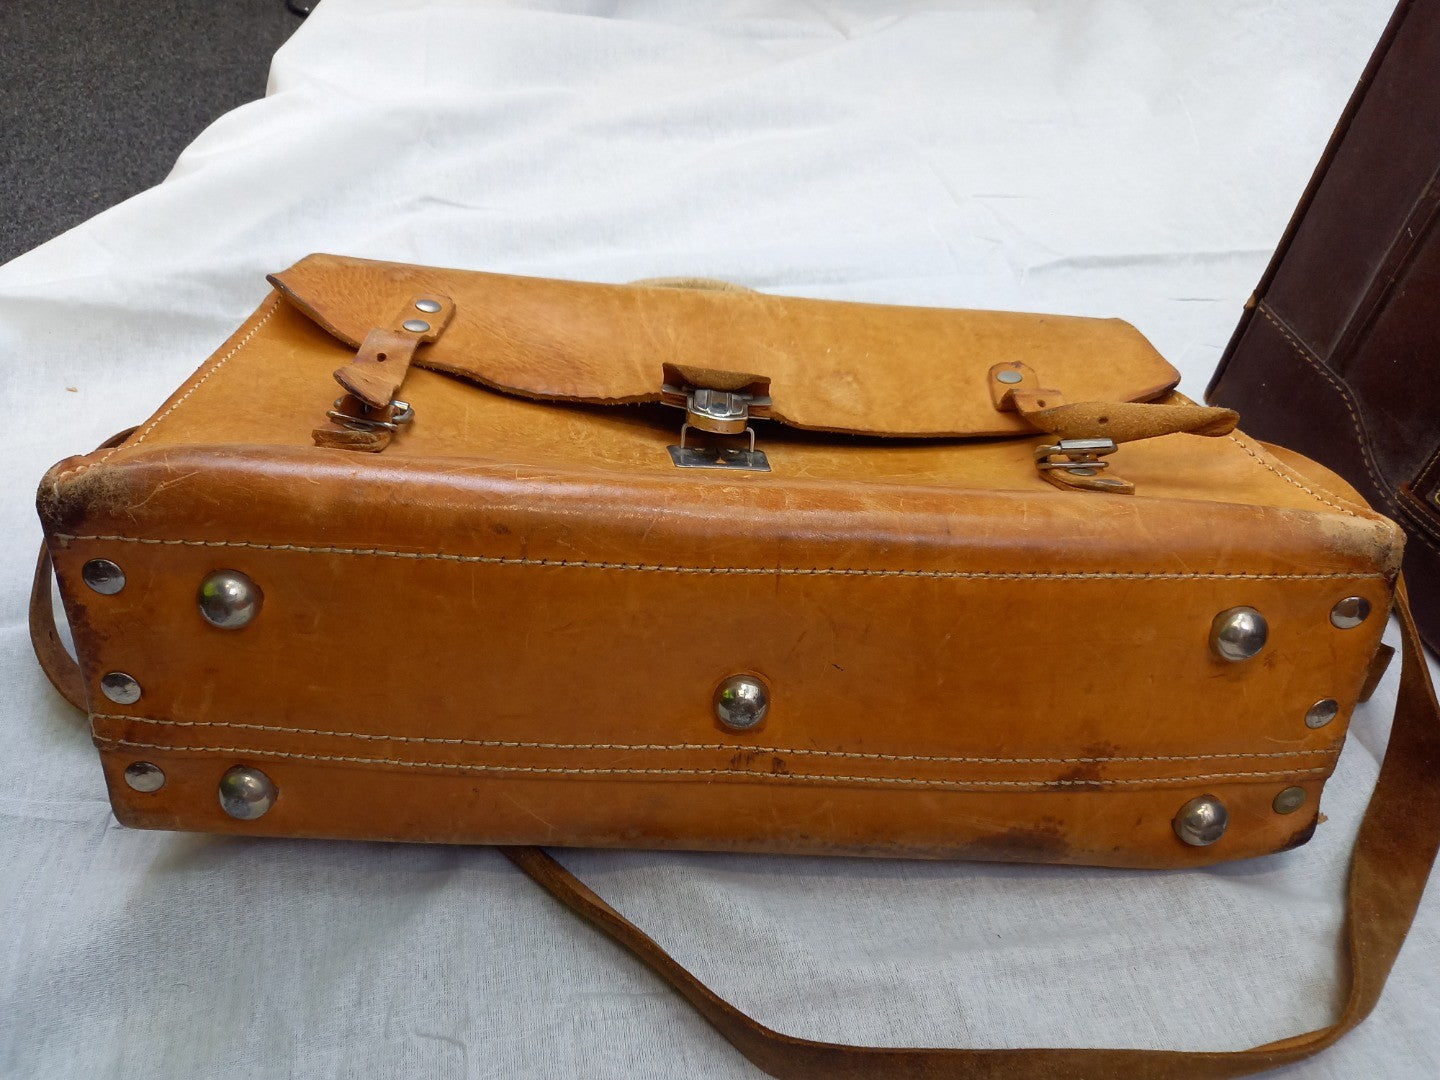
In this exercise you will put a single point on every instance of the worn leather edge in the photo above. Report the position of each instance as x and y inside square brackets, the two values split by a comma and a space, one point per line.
[292, 285]
[1339, 435]
[57, 664]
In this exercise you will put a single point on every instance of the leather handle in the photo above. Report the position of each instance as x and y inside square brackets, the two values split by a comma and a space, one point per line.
[62, 671]
[1393, 854]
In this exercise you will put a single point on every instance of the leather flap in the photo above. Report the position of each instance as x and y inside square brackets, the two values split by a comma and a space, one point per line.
[866, 369]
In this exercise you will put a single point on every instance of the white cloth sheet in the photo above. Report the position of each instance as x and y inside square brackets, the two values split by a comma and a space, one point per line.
[1135, 158]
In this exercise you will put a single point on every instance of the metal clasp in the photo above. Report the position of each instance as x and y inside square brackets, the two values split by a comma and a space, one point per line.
[1075, 463]
[401, 412]
[720, 412]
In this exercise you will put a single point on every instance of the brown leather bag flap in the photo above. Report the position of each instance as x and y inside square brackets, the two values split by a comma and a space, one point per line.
[866, 369]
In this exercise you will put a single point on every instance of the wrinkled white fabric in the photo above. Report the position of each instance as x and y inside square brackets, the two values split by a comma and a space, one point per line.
[1116, 157]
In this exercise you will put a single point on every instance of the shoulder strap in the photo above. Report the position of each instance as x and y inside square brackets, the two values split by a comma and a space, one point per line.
[1388, 869]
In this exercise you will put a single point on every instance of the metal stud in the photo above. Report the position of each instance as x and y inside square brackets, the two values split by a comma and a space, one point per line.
[1201, 821]
[1289, 800]
[416, 326]
[1350, 612]
[228, 599]
[120, 688]
[103, 576]
[1238, 633]
[1322, 712]
[428, 306]
[246, 793]
[1009, 377]
[741, 702]
[143, 776]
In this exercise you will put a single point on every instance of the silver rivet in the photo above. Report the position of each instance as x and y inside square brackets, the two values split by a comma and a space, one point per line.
[1009, 376]
[120, 688]
[143, 776]
[430, 306]
[1322, 712]
[1350, 612]
[1201, 821]
[228, 599]
[1238, 633]
[416, 326]
[741, 702]
[246, 792]
[103, 576]
[1289, 800]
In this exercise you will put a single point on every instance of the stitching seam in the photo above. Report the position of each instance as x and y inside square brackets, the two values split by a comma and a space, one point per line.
[740, 773]
[587, 564]
[1339, 387]
[216, 366]
[1430, 467]
[1417, 527]
[508, 745]
[1288, 478]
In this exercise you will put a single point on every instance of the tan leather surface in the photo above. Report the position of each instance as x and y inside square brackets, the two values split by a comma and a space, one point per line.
[509, 625]
[376, 372]
[1123, 421]
[862, 368]
[1393, 855]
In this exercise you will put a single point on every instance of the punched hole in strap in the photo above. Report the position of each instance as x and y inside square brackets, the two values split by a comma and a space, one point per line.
[371, 412]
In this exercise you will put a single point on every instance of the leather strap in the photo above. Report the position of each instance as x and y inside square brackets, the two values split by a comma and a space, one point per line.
[1017, 387]
[1120, 421]
[378, 368]
[64, 674]
[1390, 864]
[62, 671]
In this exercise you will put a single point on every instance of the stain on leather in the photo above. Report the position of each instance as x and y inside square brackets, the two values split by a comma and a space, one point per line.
[1084, 775]
[1041, 840]
[1300, 836]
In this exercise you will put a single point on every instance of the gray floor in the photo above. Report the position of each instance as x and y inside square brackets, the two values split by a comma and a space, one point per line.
[98, 97]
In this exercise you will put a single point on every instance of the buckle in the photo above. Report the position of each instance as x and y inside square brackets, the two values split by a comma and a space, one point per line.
[400, 412]
[1076, 463]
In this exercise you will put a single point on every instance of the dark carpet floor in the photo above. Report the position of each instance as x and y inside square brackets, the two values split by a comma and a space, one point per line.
[98, 97]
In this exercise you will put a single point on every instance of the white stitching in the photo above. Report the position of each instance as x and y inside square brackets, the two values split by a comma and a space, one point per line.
[741, 773]
[1340, 388]
[587, 564]
[509, 745]
[180, 401]
[1289, 479]
[274, 305]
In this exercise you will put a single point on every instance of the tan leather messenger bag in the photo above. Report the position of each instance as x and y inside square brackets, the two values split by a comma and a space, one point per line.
[712, 559]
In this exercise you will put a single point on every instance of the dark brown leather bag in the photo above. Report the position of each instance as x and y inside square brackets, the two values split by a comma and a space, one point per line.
[1338, 353]
[531, 604]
